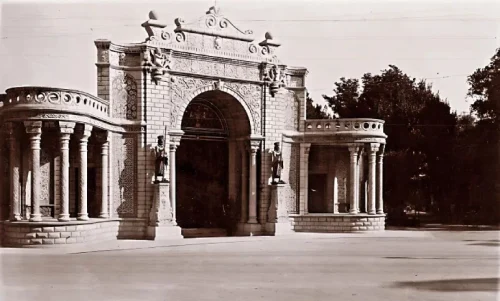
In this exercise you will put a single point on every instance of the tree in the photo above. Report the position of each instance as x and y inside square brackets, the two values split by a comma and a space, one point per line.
[483, 139]
[315, 111]
[485, 90]
[420, 128]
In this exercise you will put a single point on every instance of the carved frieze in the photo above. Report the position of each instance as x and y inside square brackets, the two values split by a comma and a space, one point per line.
[217, 69]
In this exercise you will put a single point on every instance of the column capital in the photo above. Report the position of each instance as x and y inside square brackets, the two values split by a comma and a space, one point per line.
[66, 127]
[254, 142]
[354, 148]
[381, 151]
[373, 147]
[306, 147]
[173, 146]
[33, 127]
[175, 136]
[84, 131]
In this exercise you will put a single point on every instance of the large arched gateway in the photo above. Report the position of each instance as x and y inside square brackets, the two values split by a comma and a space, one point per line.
[185, 132]
[209, 160]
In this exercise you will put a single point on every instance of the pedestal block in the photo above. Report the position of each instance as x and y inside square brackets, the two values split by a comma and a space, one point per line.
[162, 223]
[278, 222]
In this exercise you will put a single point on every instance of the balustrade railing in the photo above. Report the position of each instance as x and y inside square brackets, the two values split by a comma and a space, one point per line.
[353, 125]
[54, 98]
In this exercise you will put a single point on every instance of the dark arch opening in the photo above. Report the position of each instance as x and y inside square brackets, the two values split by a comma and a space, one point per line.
[214, 123]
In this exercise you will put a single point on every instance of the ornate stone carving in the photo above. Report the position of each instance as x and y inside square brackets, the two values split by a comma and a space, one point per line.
[251, 94]
[159, 62]
[124, 157]
[213, 22]
[124, 96]
[45, 176]
[217, 43]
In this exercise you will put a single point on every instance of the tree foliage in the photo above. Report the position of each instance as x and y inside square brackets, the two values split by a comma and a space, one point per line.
[315, 111]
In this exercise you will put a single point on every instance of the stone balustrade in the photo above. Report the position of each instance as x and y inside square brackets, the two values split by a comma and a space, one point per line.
[62, 100]
[345, 125]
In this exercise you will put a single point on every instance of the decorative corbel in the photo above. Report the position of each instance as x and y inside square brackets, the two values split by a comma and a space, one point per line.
[158, 63]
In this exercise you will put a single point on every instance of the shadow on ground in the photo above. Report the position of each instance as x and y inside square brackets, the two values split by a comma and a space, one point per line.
[454, 285]
[488, 243]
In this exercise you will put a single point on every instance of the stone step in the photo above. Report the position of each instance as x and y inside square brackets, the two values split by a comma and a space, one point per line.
[203, 232]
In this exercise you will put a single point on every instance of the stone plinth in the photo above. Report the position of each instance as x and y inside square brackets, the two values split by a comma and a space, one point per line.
[162, 224]
[278, 222]
[334, 223]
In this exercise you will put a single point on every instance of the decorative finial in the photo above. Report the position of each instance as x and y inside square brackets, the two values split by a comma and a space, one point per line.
[153, 15]
[214, 10]
[268, 36]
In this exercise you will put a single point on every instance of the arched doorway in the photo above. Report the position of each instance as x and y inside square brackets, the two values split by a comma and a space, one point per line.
[209, 162]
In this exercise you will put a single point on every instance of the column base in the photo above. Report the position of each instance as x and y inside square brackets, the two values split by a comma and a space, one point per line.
[104, 215]
[164, 232]
[353, 212]
[35, 217]
[279, 229]
[252, 220]
[380, 212]
[83, 217]
[372, 212]
[63, 217]
[16, 218]
[249, 229]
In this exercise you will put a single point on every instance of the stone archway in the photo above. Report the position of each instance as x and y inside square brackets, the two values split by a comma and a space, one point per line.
[209, 162]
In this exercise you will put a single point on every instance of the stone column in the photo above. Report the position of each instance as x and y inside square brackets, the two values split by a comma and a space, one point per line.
[252, 182]
[244, 182]
[65, 129]
[15, 163]
[34, 129]
[353, 178]
[175, 140]
[103, 138]
[85, 133]
[380, 182]
[304, 177]
[372, 152]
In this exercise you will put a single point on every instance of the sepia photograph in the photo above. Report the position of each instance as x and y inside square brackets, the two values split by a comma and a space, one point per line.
[300, 150]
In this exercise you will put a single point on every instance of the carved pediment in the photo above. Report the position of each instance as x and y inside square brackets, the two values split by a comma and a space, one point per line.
[214, 24]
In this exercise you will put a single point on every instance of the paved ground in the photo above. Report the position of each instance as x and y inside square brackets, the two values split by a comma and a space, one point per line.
[393, 265]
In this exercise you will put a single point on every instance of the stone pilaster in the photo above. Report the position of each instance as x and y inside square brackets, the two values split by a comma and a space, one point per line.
[252, 182]
[34, 129]
[244, 183]
[175, 140]
[104, 138]
[85, 133]
[380, 180]
[304, 177]
[372, 152]
[65, 130]
[15, 163]
[353, 184]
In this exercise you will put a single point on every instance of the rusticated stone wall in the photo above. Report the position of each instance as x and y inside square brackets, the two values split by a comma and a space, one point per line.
[337, 223]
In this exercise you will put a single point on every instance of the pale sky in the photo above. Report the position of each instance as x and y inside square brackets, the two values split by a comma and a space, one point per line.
[51, 43]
